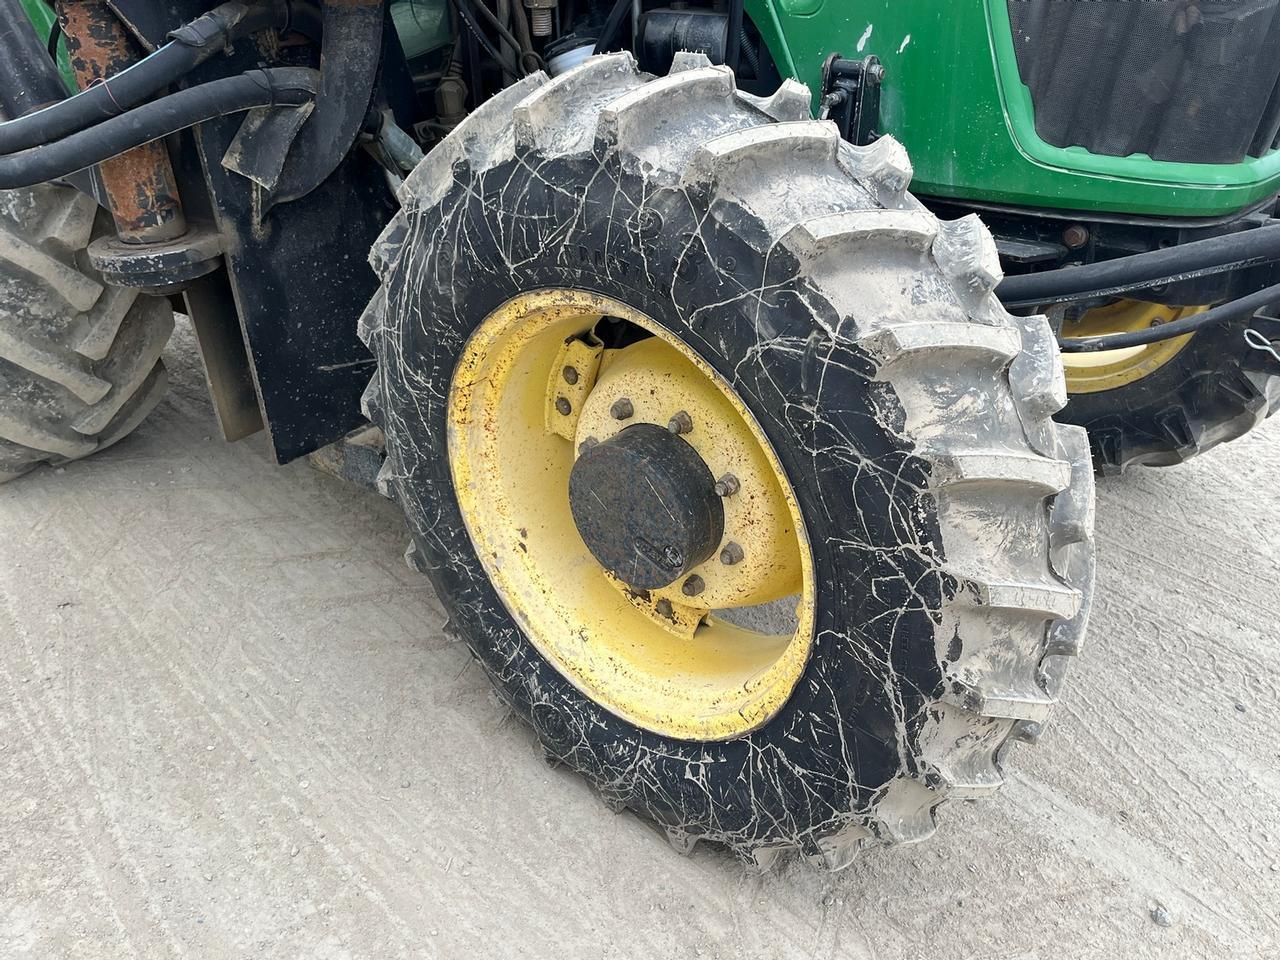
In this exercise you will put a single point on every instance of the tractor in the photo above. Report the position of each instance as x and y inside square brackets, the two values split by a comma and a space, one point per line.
[742, 367]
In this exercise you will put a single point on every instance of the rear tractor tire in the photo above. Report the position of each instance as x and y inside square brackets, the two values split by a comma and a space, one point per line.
[726, 463]
[79, 361]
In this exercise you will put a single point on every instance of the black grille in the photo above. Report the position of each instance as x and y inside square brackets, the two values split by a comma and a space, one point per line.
[1186, 80]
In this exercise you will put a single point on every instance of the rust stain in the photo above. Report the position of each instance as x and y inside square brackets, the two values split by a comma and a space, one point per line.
[140, 184]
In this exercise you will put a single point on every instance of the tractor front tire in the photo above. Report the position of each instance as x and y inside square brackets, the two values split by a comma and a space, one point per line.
[79, 360]
[1213, 388]
[572, 231]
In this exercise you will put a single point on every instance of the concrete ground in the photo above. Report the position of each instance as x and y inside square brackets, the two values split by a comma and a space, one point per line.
[231, 727]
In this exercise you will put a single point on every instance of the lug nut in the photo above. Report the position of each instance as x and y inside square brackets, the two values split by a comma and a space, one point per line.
[731, 554]
[693, 586]
[680, 423]
[664, 608]
[727, 486]
[563, 407]
[622, 409]
[570, 375]
[587, 444]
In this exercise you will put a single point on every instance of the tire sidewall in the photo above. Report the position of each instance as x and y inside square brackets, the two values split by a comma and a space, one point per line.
[842, 734]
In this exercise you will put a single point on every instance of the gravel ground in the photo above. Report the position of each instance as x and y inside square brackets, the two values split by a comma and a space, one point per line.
[231, 727]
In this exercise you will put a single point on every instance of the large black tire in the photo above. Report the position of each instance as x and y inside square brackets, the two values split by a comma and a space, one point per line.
[1216, 388]
[950, 518]
[79, 360]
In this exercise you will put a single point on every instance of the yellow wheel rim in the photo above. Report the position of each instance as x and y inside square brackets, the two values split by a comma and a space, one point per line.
[661, 659]
[1108, 369]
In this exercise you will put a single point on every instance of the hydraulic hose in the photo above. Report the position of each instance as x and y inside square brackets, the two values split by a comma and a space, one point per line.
[1109, 277]
[1232, 310]
[612, 24]
[467, 15]
[276, 86]
[30, 77]
[191, 46]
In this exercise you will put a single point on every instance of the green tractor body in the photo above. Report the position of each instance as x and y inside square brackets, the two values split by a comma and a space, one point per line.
[1181, 123]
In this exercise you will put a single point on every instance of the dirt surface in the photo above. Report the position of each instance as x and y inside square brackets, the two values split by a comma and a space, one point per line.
[231, 727]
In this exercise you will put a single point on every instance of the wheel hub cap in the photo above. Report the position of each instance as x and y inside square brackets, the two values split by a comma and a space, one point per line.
[645, 505]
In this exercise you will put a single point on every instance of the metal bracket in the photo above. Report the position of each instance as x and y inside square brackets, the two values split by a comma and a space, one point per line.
[851, 97]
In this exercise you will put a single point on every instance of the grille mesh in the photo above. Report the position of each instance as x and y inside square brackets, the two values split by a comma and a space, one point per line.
[1186, 80]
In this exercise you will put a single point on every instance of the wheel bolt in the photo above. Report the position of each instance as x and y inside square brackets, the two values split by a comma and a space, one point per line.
[664, 608]
[563, 407]
[693, 586]
[570, 375]
[622, 409]
[727, 486]
[680, 423]
[731, 554]
[587, 444]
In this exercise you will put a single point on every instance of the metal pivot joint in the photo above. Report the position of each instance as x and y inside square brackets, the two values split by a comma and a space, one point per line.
[154, 248]
[851, 97]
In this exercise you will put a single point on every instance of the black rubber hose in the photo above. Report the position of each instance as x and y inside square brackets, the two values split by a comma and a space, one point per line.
[191, 45]
[612, 25]
[468, 17]
[1109, 277]
[277, 86]
[28, 78]
[1232, 310]
[506, 35]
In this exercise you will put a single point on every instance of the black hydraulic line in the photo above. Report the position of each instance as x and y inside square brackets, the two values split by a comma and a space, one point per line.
[276, 86]
[191, 45]
[507, 36]
[468, 17]
[30, 79]
[1232, 310]
[55, 37]
[1123, 274]
[612, 25]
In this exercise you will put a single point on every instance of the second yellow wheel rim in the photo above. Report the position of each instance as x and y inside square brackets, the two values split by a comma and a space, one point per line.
[1109, 369]
[706, 679]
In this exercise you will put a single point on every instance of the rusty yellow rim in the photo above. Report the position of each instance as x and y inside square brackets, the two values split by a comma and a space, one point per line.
[533, 387]
[1108, 369]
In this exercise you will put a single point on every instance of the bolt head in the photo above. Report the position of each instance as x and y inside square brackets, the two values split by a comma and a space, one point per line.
[1075, 236]
[680, 423]
[664, 608]
[587, 444]
[563, 407]
[693, 586]
[570, 375]
[727, 486]
[731, 554]
[622, 409]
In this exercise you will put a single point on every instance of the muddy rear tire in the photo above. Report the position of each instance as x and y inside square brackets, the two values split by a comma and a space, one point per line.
[79, 361]
[948, 517]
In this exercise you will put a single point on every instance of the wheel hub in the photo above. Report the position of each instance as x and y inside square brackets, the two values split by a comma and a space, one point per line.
[645, 505]
[567, 453]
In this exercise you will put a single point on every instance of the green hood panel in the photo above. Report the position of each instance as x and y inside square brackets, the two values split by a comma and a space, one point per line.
[953, 96]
